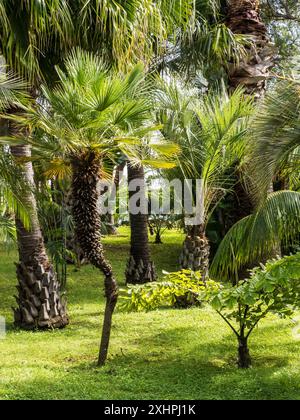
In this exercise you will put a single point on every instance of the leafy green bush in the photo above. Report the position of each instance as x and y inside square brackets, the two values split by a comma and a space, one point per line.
[274, 288]
[183, 284]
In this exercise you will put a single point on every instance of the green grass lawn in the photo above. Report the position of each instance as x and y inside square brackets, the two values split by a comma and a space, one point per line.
[165, 354]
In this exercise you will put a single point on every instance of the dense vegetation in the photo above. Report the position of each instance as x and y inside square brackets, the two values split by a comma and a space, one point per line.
[161, 354]
[181, 121]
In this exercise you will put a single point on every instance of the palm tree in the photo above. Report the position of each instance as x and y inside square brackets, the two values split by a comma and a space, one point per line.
[252, 71]
[25, 30]
[156, 153]
[35, 36]
[211, 134]
[36, 307]
[140, 268]
[273, 148]
[90, 116]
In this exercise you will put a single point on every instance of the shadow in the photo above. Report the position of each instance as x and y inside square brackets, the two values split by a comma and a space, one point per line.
[155, 377]
[173, 363]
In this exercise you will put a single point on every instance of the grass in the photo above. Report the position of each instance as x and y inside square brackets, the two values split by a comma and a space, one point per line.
[165, 354]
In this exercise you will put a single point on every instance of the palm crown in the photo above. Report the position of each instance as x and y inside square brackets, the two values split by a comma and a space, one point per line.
[211, 133]
[90, 110]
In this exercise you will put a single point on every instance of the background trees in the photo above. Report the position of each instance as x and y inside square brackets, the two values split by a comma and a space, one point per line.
[36, 36]
[95, 108]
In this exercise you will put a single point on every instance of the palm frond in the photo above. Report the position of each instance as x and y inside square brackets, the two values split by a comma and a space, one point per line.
[11, 89]
[250, 239]
[276, 130]
[211, 133]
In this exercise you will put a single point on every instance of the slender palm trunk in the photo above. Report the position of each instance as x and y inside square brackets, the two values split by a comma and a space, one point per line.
[251, 72]
[195, 252]
[39, 301]
[112, 230]
[85, 196]
[140, 268]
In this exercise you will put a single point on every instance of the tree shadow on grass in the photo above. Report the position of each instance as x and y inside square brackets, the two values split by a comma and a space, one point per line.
[185, 377]
[160, 366]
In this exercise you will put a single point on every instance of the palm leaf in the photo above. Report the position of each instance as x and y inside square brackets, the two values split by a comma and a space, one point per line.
[250, 239]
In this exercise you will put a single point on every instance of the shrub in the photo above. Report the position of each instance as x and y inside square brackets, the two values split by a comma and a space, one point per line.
[274, 287]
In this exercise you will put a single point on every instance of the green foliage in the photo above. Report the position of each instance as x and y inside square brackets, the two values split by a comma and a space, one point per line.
[37, 35]
[160, 354]
[7, 227]
[211, 133]
[250, 239]
[205, 49]
[276, 131]
[181, 284]
[91, 110]
[12, 184]
[274, 288]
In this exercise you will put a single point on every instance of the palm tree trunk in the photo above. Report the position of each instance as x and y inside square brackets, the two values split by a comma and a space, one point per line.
[252, 71]
[140, 268]
[112, 230]
[85, 196]
[39, 301]
[195, 252]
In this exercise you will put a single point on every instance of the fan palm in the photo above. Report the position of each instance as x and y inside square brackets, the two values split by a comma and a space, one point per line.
[34, 37]
[207, 46]
[211, 133]
[86, 119]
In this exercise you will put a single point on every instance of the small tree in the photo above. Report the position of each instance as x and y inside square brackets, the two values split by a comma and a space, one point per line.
[274, 288]
[159, 223]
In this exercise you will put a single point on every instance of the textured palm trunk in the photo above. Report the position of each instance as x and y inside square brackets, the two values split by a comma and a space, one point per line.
[251, 73]
[140, 268]
[40, 304]
[254, 69]
[195, 252]
[85, 196]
